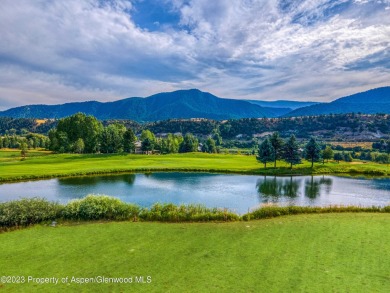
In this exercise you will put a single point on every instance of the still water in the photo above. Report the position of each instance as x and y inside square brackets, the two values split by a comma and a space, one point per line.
[239, 193]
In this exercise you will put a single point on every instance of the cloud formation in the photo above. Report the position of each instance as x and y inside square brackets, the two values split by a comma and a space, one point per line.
[61, 51]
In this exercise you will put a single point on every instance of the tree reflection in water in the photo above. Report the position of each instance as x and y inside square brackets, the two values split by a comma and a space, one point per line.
[272, 189]
[313, 186]
[95, 180]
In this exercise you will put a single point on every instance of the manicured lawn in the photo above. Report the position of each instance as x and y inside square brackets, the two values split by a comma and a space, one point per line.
[305, 253]
[56, 165]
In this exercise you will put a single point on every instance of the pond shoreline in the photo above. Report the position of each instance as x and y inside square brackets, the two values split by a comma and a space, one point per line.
[267, 172]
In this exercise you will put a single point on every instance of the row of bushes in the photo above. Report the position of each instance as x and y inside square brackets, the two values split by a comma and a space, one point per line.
[26, 212]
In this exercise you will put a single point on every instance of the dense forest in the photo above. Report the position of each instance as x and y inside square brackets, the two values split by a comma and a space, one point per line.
[336, 127]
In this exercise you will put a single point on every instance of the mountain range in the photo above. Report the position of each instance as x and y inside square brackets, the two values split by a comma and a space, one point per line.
[369, 102]
[178, 104]
[197, 104]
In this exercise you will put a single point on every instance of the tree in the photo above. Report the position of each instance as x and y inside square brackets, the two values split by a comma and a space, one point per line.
[147, 134]
[209, 146]
[147, 145]
[338, 157]
[266, 152]
[79, 146]
[74, 127]
[189, 144]
[382, 158]
[148, 140]
[217, 137]
[129, 139]
[313, 151]
[277, 144]
[347, 157]
[173, 143]
[327, 154]
[111, 140]
[291, 152]
[23, 150]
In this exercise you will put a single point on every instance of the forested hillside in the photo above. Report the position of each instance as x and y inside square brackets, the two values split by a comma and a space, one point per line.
[338, 127]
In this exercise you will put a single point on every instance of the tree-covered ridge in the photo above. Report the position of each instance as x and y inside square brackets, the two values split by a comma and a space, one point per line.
[336, 127]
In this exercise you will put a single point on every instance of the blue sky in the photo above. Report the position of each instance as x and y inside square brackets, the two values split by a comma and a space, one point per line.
[55, 51]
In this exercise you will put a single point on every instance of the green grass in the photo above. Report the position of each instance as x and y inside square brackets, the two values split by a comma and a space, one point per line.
[304, 253]
[59, 165]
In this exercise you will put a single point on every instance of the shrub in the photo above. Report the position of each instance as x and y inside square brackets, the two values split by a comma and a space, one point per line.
[28, 211]
[103, 207]
[276, 211]
[195, 213]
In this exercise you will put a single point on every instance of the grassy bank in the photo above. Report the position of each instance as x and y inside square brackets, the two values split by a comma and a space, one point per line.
[27, 212]
[60, 165]
[305, 253]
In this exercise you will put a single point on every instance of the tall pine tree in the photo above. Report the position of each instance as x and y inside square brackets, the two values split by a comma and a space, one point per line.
[313, 151]
[277, 144]
[265, 153]
[291, 152]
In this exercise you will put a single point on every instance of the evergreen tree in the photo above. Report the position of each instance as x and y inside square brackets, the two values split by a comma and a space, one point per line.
[266, 152]
[129, 139]
[313, 151]
[277, 144]
[291, 152]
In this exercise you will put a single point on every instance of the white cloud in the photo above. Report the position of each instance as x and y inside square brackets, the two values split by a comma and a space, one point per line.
[57, 51]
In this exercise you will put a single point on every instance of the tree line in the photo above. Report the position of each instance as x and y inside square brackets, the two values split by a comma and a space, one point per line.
[80, 133]
[30, 141]
[332, 126]
[274, 148]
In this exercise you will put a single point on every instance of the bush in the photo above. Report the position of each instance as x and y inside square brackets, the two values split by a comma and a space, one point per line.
[103, 207]
[195, 213]
[276, 211]
[28, 211]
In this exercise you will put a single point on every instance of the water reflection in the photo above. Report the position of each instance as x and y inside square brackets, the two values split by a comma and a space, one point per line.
[277, 186]
[95, 180]
[271, 189]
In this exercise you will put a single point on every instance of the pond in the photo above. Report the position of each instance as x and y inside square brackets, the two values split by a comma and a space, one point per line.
[239, 193]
